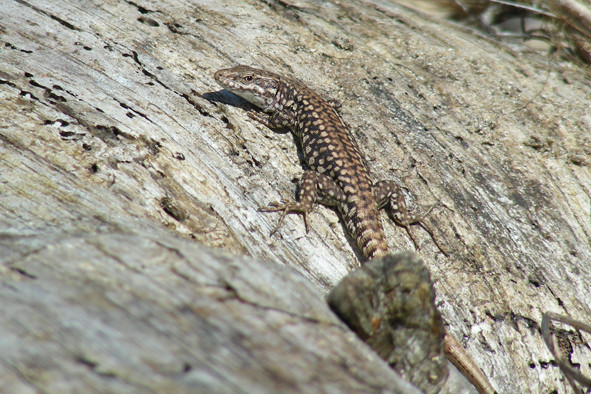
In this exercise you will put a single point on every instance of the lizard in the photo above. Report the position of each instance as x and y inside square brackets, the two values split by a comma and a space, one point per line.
[337, 176]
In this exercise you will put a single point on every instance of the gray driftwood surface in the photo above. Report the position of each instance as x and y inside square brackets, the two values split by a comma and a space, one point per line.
[122, 166]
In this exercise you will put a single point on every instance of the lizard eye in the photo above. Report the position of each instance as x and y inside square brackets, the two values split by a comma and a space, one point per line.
[248, 78]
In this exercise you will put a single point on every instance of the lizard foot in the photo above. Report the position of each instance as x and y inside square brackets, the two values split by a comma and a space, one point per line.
[286, 208]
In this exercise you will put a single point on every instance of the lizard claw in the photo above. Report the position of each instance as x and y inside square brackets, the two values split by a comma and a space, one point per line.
[285, 208]
[411, 236]
[275, 207]
[279, 223]
[404, 220]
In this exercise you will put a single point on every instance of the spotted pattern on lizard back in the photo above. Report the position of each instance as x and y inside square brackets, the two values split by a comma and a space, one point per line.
[338, 176]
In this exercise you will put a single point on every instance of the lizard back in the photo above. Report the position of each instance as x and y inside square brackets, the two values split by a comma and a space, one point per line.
[327, 144]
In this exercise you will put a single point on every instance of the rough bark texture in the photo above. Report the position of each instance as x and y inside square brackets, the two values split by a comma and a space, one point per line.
[112, 127]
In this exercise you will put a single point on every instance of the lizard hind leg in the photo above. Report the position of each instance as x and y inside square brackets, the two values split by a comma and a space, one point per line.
[313, 187]
[389, 194]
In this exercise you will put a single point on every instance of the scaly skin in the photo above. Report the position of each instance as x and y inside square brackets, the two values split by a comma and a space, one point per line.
[338, 175]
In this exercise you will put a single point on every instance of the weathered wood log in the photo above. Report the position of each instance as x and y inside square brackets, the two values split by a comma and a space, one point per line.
[111, 128]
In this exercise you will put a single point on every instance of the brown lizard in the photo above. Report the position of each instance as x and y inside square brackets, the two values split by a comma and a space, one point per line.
[337, 176]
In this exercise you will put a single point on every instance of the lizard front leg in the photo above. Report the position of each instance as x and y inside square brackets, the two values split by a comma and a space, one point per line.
[313, 187]
[274, 120]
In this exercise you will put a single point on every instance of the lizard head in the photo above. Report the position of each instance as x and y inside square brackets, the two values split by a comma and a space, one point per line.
[256, 86]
